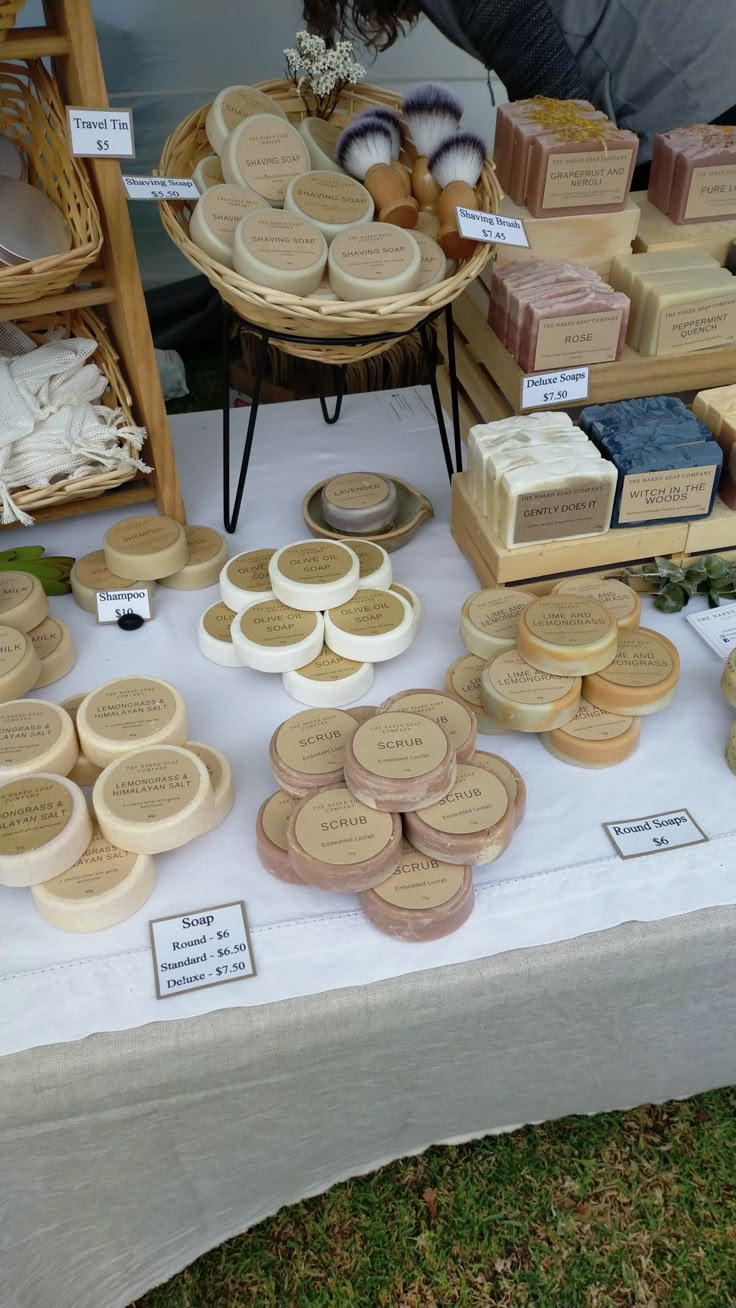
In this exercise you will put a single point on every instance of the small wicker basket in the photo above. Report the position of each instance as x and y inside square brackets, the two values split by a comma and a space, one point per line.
[31, 115]
[9, 10]
[81, 322]
[293, 314]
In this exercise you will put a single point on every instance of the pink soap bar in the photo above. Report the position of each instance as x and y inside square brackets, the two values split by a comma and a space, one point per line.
[474, 823]
[424, 899]
[271, 826]
[460, 725]
[587, 302]
[525, 133]
[511, 778]
[580, 176]
[704, 181]
[338, 843]
[397, 762]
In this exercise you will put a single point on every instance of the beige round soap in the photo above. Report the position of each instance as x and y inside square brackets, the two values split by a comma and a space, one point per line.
[44, 828]
[23, 601]
[90, 574]
[207, 557]
[128, 713]
[462, 681]
[623, 602]
[332, 201]
[146, 547]
[314, 574]
[216, 215]
[271, 842]
[509, 776]
[54, 646]
[456, 721]
[221, 778]
[274, 637]
[489, 618]
[373, 626]
[731, 749]
[154, 799]
[641, 679]
[308, 750]
[474, 823]
[245, 578]
[424, 899]
[84, 772]
[594, 738]
[338, 843]
[214, 636]
[264, 152]
[399, 761]
[230, 106]
[728, 680]
[207, 172]
[567, 635]
[105, 886]
[281, 251]
[36, 736]
[524, 698]
[329, 680]
[20, 666]
[433, 267]
[366, 263]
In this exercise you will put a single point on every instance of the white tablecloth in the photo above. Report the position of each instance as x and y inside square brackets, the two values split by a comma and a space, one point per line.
[560, 879]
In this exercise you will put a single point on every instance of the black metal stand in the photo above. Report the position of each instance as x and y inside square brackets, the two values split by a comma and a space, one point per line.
[231, 513]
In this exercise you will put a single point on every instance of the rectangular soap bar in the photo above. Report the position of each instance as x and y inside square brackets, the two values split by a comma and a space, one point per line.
[687, 317]
[713, 405]
[548, 452]
[703, 185]
[549, 436]
[672, 485]
[704, 276]
[555, 501]
[585, 176]
[626, 267]
[486, 432]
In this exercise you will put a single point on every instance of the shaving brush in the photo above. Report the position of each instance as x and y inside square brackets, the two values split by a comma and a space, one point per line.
[364, 149]
[456, 166]
[383, 114]
[433, 114]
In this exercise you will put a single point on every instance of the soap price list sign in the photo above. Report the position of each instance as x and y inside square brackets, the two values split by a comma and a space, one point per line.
[539, 390]
[654, 834]
[493, 227]
[203, 948]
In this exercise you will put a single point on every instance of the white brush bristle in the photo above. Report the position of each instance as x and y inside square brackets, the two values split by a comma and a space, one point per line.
[362, 145]
[382, 114]
[433, 114]
[459, 159]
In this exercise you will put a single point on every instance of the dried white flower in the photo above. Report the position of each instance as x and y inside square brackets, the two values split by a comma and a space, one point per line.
[321, 72]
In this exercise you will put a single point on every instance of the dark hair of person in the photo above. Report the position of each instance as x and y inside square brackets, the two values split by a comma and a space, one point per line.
[376, 22]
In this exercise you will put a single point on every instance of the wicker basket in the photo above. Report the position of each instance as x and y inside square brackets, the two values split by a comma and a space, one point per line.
[31, 115]
[81, 322]
[9, 10]
[294, 314]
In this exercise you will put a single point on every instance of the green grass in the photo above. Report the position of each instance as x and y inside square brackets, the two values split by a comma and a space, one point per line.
[631, 1210]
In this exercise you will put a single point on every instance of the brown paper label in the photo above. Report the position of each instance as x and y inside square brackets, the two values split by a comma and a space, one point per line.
[583, 338]
[516, 679]
[698, 325]
[433, 260]
[204, 543]
[369, 613]
[250, 571]
[587, 177]
[500, 768]
[329, 667]
[404, 593]
[356, 490]
[217, 622]
[712, 192]
[370, 557]
[336, 828]
[477, 802]
[420, 881]
[210, 760]
[144, 535]
[33, 811]
[270, 152]
[151, 784]
[400, 745]
[497, 611]
[46, 637]
[446, 712]
[274, 624]
[283, 240]
[568, 620]
[102, 867]
[224, 206]
[92, 571]
[331, 197]
[314, 741]
[370, 254]
[14, 588]
[130, 709]
[13, 645]
[241, 102]
[671, 493]
[564, 511]
[27, 728]
[276, 816]
[465, 678]
[612, 594]
[591, 723]
[642, 659]
[315, 562]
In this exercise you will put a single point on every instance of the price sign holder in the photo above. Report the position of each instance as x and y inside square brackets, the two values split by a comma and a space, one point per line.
[492, 227]
[113, 604]
[160, 188]
[204, 948]
[565, 386]
[100, 133]
[656, 834]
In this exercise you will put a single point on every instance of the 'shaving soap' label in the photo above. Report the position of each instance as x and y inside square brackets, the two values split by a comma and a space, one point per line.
[476, 802]
[34, 811]
[338, 829]
[151, 785]
[642, 659]
[331, 197]
[671, 493]
[373, 254]
[27, 728]
[223, 206]
[283, 240]
[400, 745]
[276, 625]
[585, 338]
[454, 720]
[698, 325]
[250, 571]
[516, 679]
[270, 152]
[276, 815]
[421, 882]
[369, 613]
[564, 511]
[712, 192]
[593, 178]
[218, 621]
[102, 867]
[314, 741]
[201, 948]
[356, 490]
[315, 562]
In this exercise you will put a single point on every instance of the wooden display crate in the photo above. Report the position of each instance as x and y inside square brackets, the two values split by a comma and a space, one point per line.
[590, 238]
[658, 232]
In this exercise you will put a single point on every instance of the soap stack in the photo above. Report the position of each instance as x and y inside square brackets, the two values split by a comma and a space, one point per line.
[668, 462]
[717, 409]
[35, 648]
[728, 686]
[153, 790]
[573, 666]
[681, 301]
[320, 612]
[537, 478]
[397, 806]
[692, 173]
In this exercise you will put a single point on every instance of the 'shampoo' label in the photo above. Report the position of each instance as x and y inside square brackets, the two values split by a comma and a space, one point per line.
[143, 535]
[33, 811]
[92, 571]
[336, 828]
[400, 745]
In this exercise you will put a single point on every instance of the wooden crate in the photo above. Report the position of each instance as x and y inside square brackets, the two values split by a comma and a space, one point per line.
[658, 232]
[589, 238]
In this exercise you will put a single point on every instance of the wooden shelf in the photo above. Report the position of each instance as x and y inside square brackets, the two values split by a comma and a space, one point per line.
[130, 492]
[86, 298]
[33, 43]
[658, 232]
[590, 238]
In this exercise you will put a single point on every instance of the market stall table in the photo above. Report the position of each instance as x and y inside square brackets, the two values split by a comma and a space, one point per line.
[138, 1133]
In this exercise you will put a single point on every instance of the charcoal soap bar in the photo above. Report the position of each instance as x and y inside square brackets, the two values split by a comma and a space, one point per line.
[670, 485]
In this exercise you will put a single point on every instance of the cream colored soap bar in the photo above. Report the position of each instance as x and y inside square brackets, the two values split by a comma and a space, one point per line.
[90, 575]
[333, 202]
[280, 250]
[728, 680]
[329, 681]
[216, 215]
[320, 136]
[273, 637]
[207, 558]
[84, 772]
[20, 666]
[462, 681]
[555, 501]
[373, 626]
[208, 172]
[128, 713]
[23, 601]
[546, 454]
[36, 736]
[154, 799]
[338, 843]
[369, 262]
[45, 827]
[214, 636]
[54, 646]
[231, 106]
[526, 699]
[264, 152]
[245, 579]
[221, 778]
[689, 316]
[146, 547]
[667, 279]
[105, 886]
[544, 442]
[489, 619]
[424, 899]
[627, 267]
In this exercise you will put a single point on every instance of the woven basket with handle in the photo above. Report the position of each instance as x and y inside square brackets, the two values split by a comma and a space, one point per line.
[295, 314]
[31, 115]
[9, 9]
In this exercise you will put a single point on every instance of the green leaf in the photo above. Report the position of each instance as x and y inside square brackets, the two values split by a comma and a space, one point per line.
[10, 557]
[666, 568]
[715, 567]
[671, 599]
[57, 587]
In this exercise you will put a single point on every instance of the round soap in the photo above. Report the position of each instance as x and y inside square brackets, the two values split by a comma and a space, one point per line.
[473, 824]
[214, 636]
[128, 713]
[373, 626]
[207, 557]
[23, 601]
[399, 762]
[568, 635]
[273, 637]
[338, 843]
[146, 547]
[216, 215]
[357, 502]
[594, 738]
[728, 680]
[424, 899]
[91, 574]
[412, 600]
[731, 749]
[20, 666]
[332, 201]
[208, 172]
[314, 574]
[433, 267]
[324, 291]
[231, 106]
[44, 828]
[84, 772]
[366, 263]
[374, 563]
[280, 250]
[456, 721]
[510, 777]
[623, 602]
[154, 799]
[271, 826]
[36, 736]
[320, 136]
[308, 750]
[246, 578]
[105, 886]
[525, 699]
[362, 712]
[641, 679]
[489, 618]
[54, 646]
[221, 778]
[329, 681]
[462, 681]
[264, 152]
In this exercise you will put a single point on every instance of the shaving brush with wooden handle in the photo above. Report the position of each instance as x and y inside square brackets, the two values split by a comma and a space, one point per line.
[365, 151]
[433, 113]
[383, 114]
[456, 166]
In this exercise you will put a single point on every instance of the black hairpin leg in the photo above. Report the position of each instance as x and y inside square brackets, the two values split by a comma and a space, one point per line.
[231, 515]
[332, 418]
[429, 345]
[452, 371]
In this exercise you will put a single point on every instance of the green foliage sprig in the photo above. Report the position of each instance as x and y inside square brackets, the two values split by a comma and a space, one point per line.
[674, 585]
[53, 573]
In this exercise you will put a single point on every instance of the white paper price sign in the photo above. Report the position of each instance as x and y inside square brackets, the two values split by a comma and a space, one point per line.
[104, 132]
[204, 948]
[114, 604]
[539, 390]
[160, 188]
[480, 226]
[655, 834]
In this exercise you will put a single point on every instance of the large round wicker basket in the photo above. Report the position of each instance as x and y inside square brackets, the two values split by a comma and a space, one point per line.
[294, 315]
